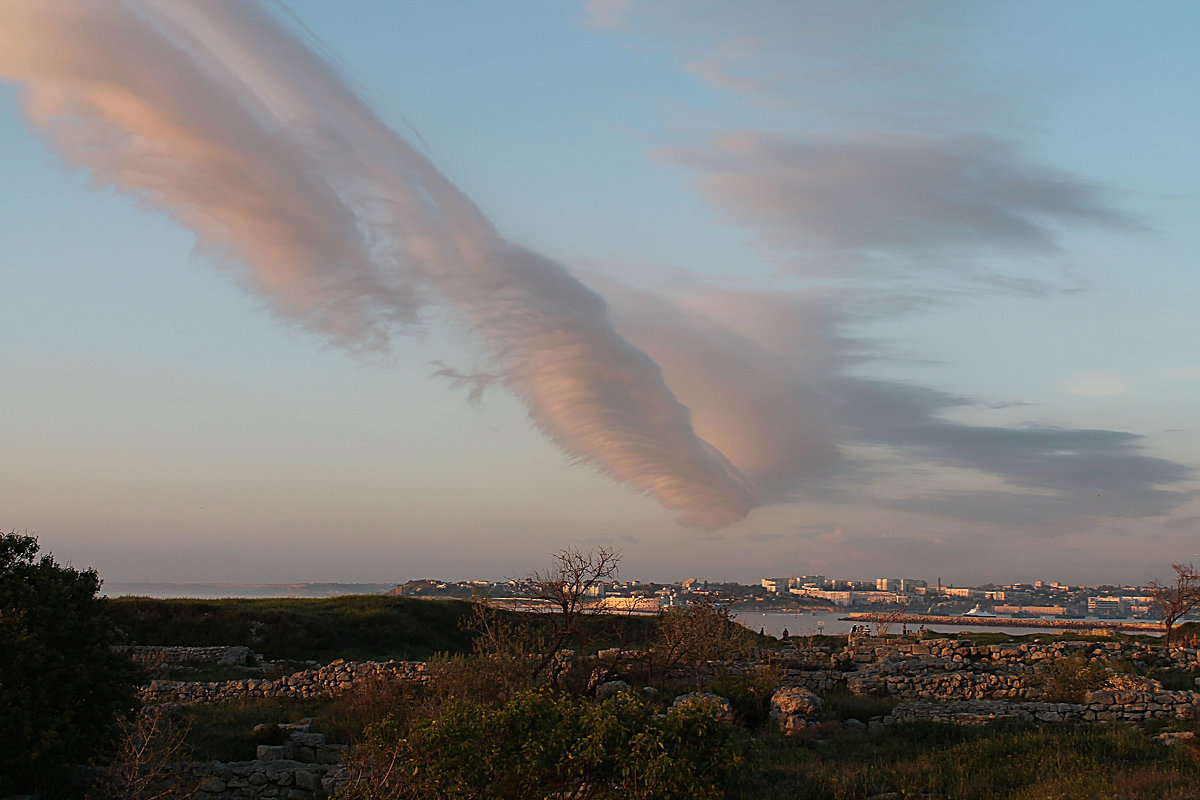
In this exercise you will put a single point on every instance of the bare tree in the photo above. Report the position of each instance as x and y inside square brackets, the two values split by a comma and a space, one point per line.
[530, 651]
[144, 767]
[885, 620]
[692, 635]
[566, 587]
[1175, 599]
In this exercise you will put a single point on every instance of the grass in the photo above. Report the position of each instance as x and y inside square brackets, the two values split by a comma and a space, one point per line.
[356, 627]
[225, 732]
[1016, 762]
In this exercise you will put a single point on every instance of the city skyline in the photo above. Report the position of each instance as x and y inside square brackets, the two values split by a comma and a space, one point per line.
[306, 293]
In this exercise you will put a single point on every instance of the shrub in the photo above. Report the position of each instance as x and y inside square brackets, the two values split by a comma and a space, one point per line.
[1068, 679]
[541, 745]
[62, 687]
[749, 694]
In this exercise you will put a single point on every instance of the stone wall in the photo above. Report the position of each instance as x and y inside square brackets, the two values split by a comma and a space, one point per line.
[302, 767]
[1099, 706]
[236, 655]
[933, 670]
[957, 669]
[333, 679]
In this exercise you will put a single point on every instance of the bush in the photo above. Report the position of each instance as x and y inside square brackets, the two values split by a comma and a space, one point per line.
[1069, 679]
[541, 745]
[749, 694]
[62, 687]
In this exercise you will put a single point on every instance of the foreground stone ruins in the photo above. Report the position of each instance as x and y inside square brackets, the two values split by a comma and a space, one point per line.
[941, 680]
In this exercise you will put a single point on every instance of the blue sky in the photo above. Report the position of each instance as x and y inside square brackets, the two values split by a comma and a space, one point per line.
[888, 288]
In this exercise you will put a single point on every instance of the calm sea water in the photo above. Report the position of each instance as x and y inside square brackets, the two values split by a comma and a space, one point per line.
[808, 624]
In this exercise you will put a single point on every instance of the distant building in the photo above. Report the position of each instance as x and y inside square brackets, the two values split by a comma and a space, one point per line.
[773, 585]
[633, 603]
[842, 598]
[1119, 606]
[898, 584]
[879, 597]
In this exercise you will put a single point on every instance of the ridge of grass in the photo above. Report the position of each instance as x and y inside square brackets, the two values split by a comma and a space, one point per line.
[354, 627]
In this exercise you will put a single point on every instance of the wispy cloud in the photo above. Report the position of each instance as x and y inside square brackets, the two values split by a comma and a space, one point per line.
[768, 380]
[849, 207]
[215, 114]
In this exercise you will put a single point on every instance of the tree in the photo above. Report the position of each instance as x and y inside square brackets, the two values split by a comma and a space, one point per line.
[563, 590]
[62, 686]
[1174, 600]
[692, 635]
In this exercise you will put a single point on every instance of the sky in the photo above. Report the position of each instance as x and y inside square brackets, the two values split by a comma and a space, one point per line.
[377, 291]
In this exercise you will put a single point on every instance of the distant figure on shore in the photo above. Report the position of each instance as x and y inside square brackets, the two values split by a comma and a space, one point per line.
[785, 634]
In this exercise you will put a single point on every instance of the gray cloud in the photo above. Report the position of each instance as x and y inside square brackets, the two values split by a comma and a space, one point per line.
[886, 202]
[1056, 473]
[766, 379]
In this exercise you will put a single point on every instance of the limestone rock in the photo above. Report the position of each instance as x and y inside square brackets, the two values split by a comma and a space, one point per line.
[607, 690]
[793, 708]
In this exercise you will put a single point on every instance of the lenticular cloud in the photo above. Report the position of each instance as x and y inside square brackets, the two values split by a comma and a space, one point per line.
[215, 114]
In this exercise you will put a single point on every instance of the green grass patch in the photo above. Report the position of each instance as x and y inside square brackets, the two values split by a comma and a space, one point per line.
[986, 763]
[225, 732]
[356, 627]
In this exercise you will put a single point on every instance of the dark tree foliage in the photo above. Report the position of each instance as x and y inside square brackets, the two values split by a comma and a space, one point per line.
[62, 687]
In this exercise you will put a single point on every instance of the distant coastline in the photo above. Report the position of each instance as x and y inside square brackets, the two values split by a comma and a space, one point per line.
[212, 591]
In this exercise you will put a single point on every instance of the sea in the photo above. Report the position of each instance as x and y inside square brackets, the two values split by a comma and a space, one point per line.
[211, 591]
[808, 624]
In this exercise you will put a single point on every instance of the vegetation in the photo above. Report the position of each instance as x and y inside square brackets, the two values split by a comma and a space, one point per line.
[359, 627]
[511, 708]
[1070, 678]
[539, 744]
[998, 762]
[61, 686]
[1176, 598]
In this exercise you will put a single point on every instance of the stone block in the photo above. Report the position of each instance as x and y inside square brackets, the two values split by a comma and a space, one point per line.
[307, 780]
[273, 752]
[212, 784]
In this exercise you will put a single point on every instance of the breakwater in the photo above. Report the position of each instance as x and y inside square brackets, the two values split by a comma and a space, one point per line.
[1006, 622]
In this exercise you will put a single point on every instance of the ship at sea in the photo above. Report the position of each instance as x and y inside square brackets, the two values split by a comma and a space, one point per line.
[979, 612]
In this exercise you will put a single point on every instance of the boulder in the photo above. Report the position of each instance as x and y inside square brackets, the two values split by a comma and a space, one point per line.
[793, 708]
[607, 690]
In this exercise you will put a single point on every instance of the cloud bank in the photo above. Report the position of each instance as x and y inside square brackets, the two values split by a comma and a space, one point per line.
[212, 112]
[709, 401]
